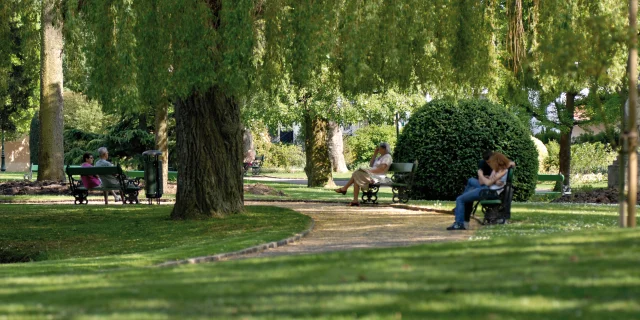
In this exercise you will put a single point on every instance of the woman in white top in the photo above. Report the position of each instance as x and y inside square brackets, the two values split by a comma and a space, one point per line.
[361, 178]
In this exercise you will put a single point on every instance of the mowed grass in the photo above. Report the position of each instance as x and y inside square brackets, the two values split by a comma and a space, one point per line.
[586, 271]
[116, 236]
[296, 192]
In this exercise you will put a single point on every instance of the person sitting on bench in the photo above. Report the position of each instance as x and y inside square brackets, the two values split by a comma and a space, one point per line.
[249, 157]
[89, 182]
[361, 178]
[107, 181]
[499, 164]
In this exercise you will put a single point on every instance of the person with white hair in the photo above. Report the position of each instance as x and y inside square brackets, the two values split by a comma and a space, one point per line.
[108, 180]
[361, 178]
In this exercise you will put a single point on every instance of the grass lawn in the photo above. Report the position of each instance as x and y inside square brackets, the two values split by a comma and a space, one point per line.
[553, 262]
[63, 237]
[5, 176]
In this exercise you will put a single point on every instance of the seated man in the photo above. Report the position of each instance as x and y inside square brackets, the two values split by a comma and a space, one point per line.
[108, 180]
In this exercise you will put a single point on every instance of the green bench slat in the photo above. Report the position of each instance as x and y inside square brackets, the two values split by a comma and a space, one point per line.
[140, 174]
[550, 177]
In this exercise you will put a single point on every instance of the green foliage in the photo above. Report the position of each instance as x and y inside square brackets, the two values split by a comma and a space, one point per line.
[449, 138]
[585, 158]
[284, 155]
[547, 135]
[81, 114]
[126, 140]
[359, 147]
[602, 137]
[18, 75]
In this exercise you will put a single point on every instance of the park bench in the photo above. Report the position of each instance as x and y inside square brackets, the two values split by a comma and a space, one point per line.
[33, 168]
[128, 188]
[401, 183]
[256, 165]
[133, 174]
[496, 207]
[552, 177]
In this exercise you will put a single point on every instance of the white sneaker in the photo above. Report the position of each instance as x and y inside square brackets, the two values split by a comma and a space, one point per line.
[466, 225]
[118, 199]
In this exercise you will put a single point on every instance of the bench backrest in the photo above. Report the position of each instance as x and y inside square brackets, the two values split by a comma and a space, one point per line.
[258, 160]
[507, 193]
[89, 171]
[403, 172]
[550, 177]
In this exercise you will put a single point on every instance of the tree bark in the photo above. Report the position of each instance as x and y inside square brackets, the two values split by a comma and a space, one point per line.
[209, 143]
[318, 168]
[162, 140]
[335, 145]
[565, 140]
[51, 150]
[247, 141]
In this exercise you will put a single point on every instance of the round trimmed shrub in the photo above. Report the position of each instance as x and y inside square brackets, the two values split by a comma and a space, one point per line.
[448, 140]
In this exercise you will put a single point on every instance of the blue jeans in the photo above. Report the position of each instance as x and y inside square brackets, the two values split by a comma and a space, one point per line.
[471, 184]
[468, 196]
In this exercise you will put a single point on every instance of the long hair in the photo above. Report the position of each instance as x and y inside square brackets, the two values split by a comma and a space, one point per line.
[498, 162]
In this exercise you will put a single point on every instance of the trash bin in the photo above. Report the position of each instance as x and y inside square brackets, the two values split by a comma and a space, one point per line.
[152, 174]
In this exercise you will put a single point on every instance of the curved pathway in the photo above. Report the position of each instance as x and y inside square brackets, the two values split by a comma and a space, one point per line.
[338, 227]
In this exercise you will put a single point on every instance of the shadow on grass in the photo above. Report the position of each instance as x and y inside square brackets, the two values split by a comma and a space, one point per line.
[591, 275]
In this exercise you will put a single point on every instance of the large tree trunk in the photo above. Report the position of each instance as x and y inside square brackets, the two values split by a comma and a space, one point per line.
[335, 144]
[209, 143]
[51, 150]
[318, 168]
[565, 141]
[247, 141]
[162, 140]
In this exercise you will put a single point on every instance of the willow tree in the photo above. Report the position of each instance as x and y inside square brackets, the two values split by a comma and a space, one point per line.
[556, 50]
[217, 52]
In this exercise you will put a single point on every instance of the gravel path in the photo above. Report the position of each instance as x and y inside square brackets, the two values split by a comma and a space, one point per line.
[338, 227]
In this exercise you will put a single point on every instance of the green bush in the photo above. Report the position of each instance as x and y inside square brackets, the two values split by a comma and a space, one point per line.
[448, 139]
[586, 158]
[360, 146]
[284, 155]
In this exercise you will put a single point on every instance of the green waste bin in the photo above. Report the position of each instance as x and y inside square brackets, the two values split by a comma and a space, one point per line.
[152, 174]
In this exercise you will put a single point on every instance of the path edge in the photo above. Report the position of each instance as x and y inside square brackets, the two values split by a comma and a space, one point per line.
[253, 249]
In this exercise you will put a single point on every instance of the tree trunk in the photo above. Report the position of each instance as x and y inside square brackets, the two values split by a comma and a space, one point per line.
[565, 141]
[209, 143]
[162, 140]
[51, 150]
[334, 143]
[318, 168]
[247, 141]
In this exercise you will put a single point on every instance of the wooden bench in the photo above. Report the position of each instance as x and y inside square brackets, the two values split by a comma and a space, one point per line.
[552, 177]
[128, 188]
[32, 169]
[402, 181]
[496, 207]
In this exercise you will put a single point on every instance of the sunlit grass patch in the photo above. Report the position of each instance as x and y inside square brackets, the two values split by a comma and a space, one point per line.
[37, 232]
